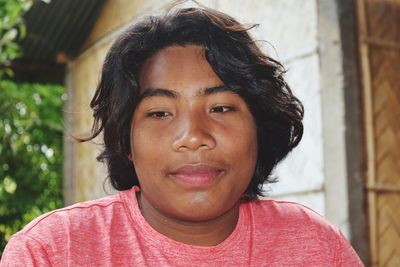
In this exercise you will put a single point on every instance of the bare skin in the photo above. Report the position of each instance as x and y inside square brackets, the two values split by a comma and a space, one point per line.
[194, 147]
[204, 233]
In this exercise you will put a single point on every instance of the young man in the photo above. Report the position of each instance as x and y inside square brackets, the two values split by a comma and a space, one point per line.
[194, 117]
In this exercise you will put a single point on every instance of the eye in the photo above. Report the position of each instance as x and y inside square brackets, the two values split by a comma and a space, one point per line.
[158, 114]
[221, 109]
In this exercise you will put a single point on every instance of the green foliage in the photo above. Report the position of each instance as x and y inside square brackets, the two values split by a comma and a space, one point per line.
[12, 29]
[31, 131]
[31, 153]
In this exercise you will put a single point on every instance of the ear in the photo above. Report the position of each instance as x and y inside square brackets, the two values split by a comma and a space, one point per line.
[130, 157]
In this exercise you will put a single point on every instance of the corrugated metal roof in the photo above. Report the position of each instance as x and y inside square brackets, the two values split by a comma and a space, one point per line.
[60, 26]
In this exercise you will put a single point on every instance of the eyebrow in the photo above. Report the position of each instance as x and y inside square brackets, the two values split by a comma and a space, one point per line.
[152, 92]
[215, 90]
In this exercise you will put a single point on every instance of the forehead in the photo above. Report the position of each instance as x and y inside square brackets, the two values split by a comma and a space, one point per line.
[178, 68]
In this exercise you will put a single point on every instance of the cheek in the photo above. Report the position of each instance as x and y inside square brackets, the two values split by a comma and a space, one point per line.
[243, 138]
[240, 145]
[145, 150]
[152, 147]
[144, 139]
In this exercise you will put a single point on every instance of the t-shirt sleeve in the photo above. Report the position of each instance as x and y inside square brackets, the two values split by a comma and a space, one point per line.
[345, 254]
[23, 250]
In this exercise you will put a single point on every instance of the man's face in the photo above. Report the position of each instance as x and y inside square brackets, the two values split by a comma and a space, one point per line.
[194, 143]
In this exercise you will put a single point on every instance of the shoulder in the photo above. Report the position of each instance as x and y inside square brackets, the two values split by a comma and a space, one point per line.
[304, 234]
[47, 240]
[292, 220]
[76, 230]
[78, 217]
[282, 207]
[288, 212]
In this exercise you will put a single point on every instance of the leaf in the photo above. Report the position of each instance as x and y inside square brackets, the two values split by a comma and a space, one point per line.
[10, 35]
[30, 178]
[9, 185]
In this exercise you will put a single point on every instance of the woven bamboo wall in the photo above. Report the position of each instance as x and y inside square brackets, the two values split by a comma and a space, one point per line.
[379, 24]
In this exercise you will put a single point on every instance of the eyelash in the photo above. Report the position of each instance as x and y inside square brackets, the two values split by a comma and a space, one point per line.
[164, 114]
[156, 114]
[224, 109]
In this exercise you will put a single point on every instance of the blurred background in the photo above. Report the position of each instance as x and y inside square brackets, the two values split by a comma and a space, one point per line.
[342, 59]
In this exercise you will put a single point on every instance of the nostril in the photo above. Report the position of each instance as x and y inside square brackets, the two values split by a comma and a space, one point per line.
[193, 140]
[193, 132]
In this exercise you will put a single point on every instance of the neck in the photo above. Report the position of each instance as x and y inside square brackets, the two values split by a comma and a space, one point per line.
[199, 233]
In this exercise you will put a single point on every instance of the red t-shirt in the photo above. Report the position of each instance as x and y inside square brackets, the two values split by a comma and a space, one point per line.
[112, 232]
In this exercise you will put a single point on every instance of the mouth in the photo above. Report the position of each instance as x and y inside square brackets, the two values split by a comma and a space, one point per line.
[196, 175]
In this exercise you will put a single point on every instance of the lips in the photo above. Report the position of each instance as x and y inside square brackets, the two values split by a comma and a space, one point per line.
[196, 174]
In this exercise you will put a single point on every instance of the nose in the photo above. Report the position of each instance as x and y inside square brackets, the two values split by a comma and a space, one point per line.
[193, 133]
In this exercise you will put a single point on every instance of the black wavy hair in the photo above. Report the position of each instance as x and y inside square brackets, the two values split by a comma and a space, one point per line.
[235, 58]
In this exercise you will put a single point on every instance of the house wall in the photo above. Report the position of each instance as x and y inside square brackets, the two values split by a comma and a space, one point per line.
[315, 173]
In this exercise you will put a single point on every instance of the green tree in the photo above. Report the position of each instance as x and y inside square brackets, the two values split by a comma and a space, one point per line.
[31, 153]
[12, 29]
[31, 132]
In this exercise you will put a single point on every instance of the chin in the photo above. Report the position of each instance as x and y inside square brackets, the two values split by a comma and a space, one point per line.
[198, 216]
[202, 210]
